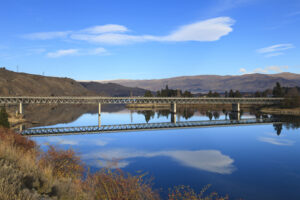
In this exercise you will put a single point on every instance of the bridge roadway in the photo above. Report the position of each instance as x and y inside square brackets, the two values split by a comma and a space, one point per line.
[142, 126]
[135, 100]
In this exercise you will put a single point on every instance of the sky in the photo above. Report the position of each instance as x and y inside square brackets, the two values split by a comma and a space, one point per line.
[149, 39]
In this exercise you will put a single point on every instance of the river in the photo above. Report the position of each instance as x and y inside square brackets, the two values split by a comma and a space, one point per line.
[248, 162]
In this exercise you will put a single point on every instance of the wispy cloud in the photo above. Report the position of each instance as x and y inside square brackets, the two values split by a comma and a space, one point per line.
[105, 29]
[77, 52]
[276, 141]
[62, 52]
[269, 69]
[47, 35]
[201, 31]
[275, 50]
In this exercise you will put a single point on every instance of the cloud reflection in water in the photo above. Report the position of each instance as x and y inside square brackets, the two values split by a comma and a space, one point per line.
[207, 160]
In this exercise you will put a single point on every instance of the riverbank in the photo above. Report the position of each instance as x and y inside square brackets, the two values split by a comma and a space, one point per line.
[281, 111]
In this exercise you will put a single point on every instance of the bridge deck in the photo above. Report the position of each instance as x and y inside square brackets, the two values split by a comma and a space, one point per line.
[135, 100]
[142, 126]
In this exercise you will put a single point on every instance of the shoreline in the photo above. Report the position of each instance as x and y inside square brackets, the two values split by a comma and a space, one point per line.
[281, 111]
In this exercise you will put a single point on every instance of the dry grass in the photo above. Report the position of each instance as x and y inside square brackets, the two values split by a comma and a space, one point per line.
[186, 193]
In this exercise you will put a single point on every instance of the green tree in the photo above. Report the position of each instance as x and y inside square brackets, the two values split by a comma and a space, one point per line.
[237, 94]
[226, 94]
[257, 94]
[4, 118]
[231, 94]
[148, 93]
[187, 94]
[278, 91]
[210, 93]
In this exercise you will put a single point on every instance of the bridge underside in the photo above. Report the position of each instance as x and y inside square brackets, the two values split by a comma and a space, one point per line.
[142, 126]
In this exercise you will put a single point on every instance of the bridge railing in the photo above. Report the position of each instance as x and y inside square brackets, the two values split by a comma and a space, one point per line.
[133, 100]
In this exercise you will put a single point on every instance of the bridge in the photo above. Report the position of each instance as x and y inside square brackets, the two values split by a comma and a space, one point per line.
[173, 101]
[144, 126]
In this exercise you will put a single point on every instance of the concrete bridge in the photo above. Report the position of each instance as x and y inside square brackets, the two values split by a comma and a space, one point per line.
[144, 126]
[173, 101]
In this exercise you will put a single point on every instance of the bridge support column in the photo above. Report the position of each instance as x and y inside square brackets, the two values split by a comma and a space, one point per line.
[99, 115]
[173, 107]
[236, 107]
[173, 112]
[21, 108]
[173, 118]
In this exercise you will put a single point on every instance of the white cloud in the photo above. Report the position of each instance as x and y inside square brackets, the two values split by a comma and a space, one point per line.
[273, 54]
[105, 29]
[47, 35]
[276, 141]
[243, 70]
[269, 69]
[207, 160]
[206, 30]
[77, 52]
[108, 38]
[275, 50]
[62, 52]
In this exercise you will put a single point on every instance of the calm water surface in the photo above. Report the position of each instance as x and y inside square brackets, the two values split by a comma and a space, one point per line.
[249, 162]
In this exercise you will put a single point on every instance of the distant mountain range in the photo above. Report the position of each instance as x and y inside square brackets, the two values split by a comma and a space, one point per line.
[204, 83]
[20, 84]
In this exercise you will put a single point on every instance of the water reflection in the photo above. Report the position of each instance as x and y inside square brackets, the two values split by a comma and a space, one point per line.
[244, 162]
[207, 160]
[276, 141]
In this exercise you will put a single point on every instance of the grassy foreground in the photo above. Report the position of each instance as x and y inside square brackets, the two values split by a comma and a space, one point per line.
[28, 173]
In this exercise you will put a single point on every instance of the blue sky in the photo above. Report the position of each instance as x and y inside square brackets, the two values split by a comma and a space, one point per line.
[134, 39]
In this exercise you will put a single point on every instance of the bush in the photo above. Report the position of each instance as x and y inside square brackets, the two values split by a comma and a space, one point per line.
[64, 163]
[4, 118]
[107, 184]
[186, 193]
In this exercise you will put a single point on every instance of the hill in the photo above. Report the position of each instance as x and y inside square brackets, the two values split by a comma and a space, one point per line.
[112, 89]
[23, 84]
[204, 83]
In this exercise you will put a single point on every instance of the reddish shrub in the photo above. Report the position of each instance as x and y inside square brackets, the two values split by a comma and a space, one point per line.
[64, 162]
[16, 139]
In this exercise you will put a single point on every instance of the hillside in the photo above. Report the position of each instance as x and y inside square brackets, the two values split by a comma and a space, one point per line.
[112, 89]
[204, 83]
[23, 84]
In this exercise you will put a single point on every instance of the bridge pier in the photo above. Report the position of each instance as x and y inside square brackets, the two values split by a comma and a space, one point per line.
[173, 107]
[173, 118]
[173, 113]
[21, 108]
[236, 107]
[99, 115]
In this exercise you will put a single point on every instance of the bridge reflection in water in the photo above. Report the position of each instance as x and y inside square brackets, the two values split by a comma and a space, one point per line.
[144, 126]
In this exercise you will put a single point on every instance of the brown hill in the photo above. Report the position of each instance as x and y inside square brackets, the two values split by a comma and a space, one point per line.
[113, 89]
[204, 83]
[23, 84]
[20, 84]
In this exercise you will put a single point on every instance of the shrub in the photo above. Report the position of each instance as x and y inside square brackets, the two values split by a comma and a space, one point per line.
[4, 118]
[64, 163]
[107, 184]
[186, 193]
